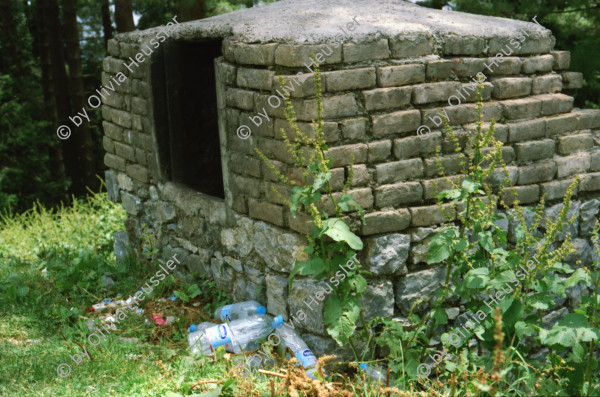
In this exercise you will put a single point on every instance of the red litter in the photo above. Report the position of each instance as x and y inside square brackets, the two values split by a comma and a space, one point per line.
[159, 320]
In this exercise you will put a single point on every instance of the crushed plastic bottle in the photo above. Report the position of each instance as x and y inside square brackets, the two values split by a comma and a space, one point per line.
[120, 303]
[195, 334]
[237, 336]
[107, 318]
[238, 311]
[290, 339]
[98, 307]
[196, 327]
[374, 372]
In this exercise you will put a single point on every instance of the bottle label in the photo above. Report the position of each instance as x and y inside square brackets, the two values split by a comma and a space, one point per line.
[306, 358]
[219, 336]
[225, 313]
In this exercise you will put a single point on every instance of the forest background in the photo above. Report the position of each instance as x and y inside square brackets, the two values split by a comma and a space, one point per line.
[52, 52]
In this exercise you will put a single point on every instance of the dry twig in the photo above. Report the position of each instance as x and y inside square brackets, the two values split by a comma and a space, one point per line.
[87, 352]
[262, 371]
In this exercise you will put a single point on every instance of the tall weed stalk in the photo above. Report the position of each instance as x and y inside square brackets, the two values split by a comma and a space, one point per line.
[331, 243]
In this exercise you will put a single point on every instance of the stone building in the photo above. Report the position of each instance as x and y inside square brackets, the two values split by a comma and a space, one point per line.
[388, 68]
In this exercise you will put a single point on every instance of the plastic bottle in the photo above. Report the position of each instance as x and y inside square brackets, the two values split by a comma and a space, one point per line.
[197, 327]
[120, 303]
[98, 307]
[373, 372]
[238, 311]
[237, 336]
[290, 339]
[195, 334]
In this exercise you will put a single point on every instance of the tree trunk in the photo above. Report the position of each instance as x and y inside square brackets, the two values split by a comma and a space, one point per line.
[29, 11]
[190, 10]
[61, 93]
[57, 167]
[106, 22]
[124, 16]
[10, 55]
[83, 137]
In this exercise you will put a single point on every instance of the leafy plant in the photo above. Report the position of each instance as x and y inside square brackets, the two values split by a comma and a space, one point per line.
[480, 260]
[331, 242]
[148, 244]
[191, 291]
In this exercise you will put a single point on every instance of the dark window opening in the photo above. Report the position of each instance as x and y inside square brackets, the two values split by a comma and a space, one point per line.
[185, 109]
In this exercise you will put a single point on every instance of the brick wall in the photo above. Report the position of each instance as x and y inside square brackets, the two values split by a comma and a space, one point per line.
[126, 112]
[373, 104]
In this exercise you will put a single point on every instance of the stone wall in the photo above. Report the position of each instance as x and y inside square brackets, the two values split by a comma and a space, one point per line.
[374, 101]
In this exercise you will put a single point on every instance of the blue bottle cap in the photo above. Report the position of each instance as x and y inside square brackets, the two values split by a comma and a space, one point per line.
[193, 327]
[363, 366]
[261, 310]
[277, 322]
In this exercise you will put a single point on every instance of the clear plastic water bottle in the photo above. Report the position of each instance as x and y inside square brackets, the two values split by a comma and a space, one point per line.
[293, 341]
[238, 311]
[237, 336]
[373, 372]
[195, 335]
[197, 327]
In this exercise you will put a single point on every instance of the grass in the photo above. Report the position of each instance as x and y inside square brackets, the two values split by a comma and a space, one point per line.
[74, 245]
[51, 267]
